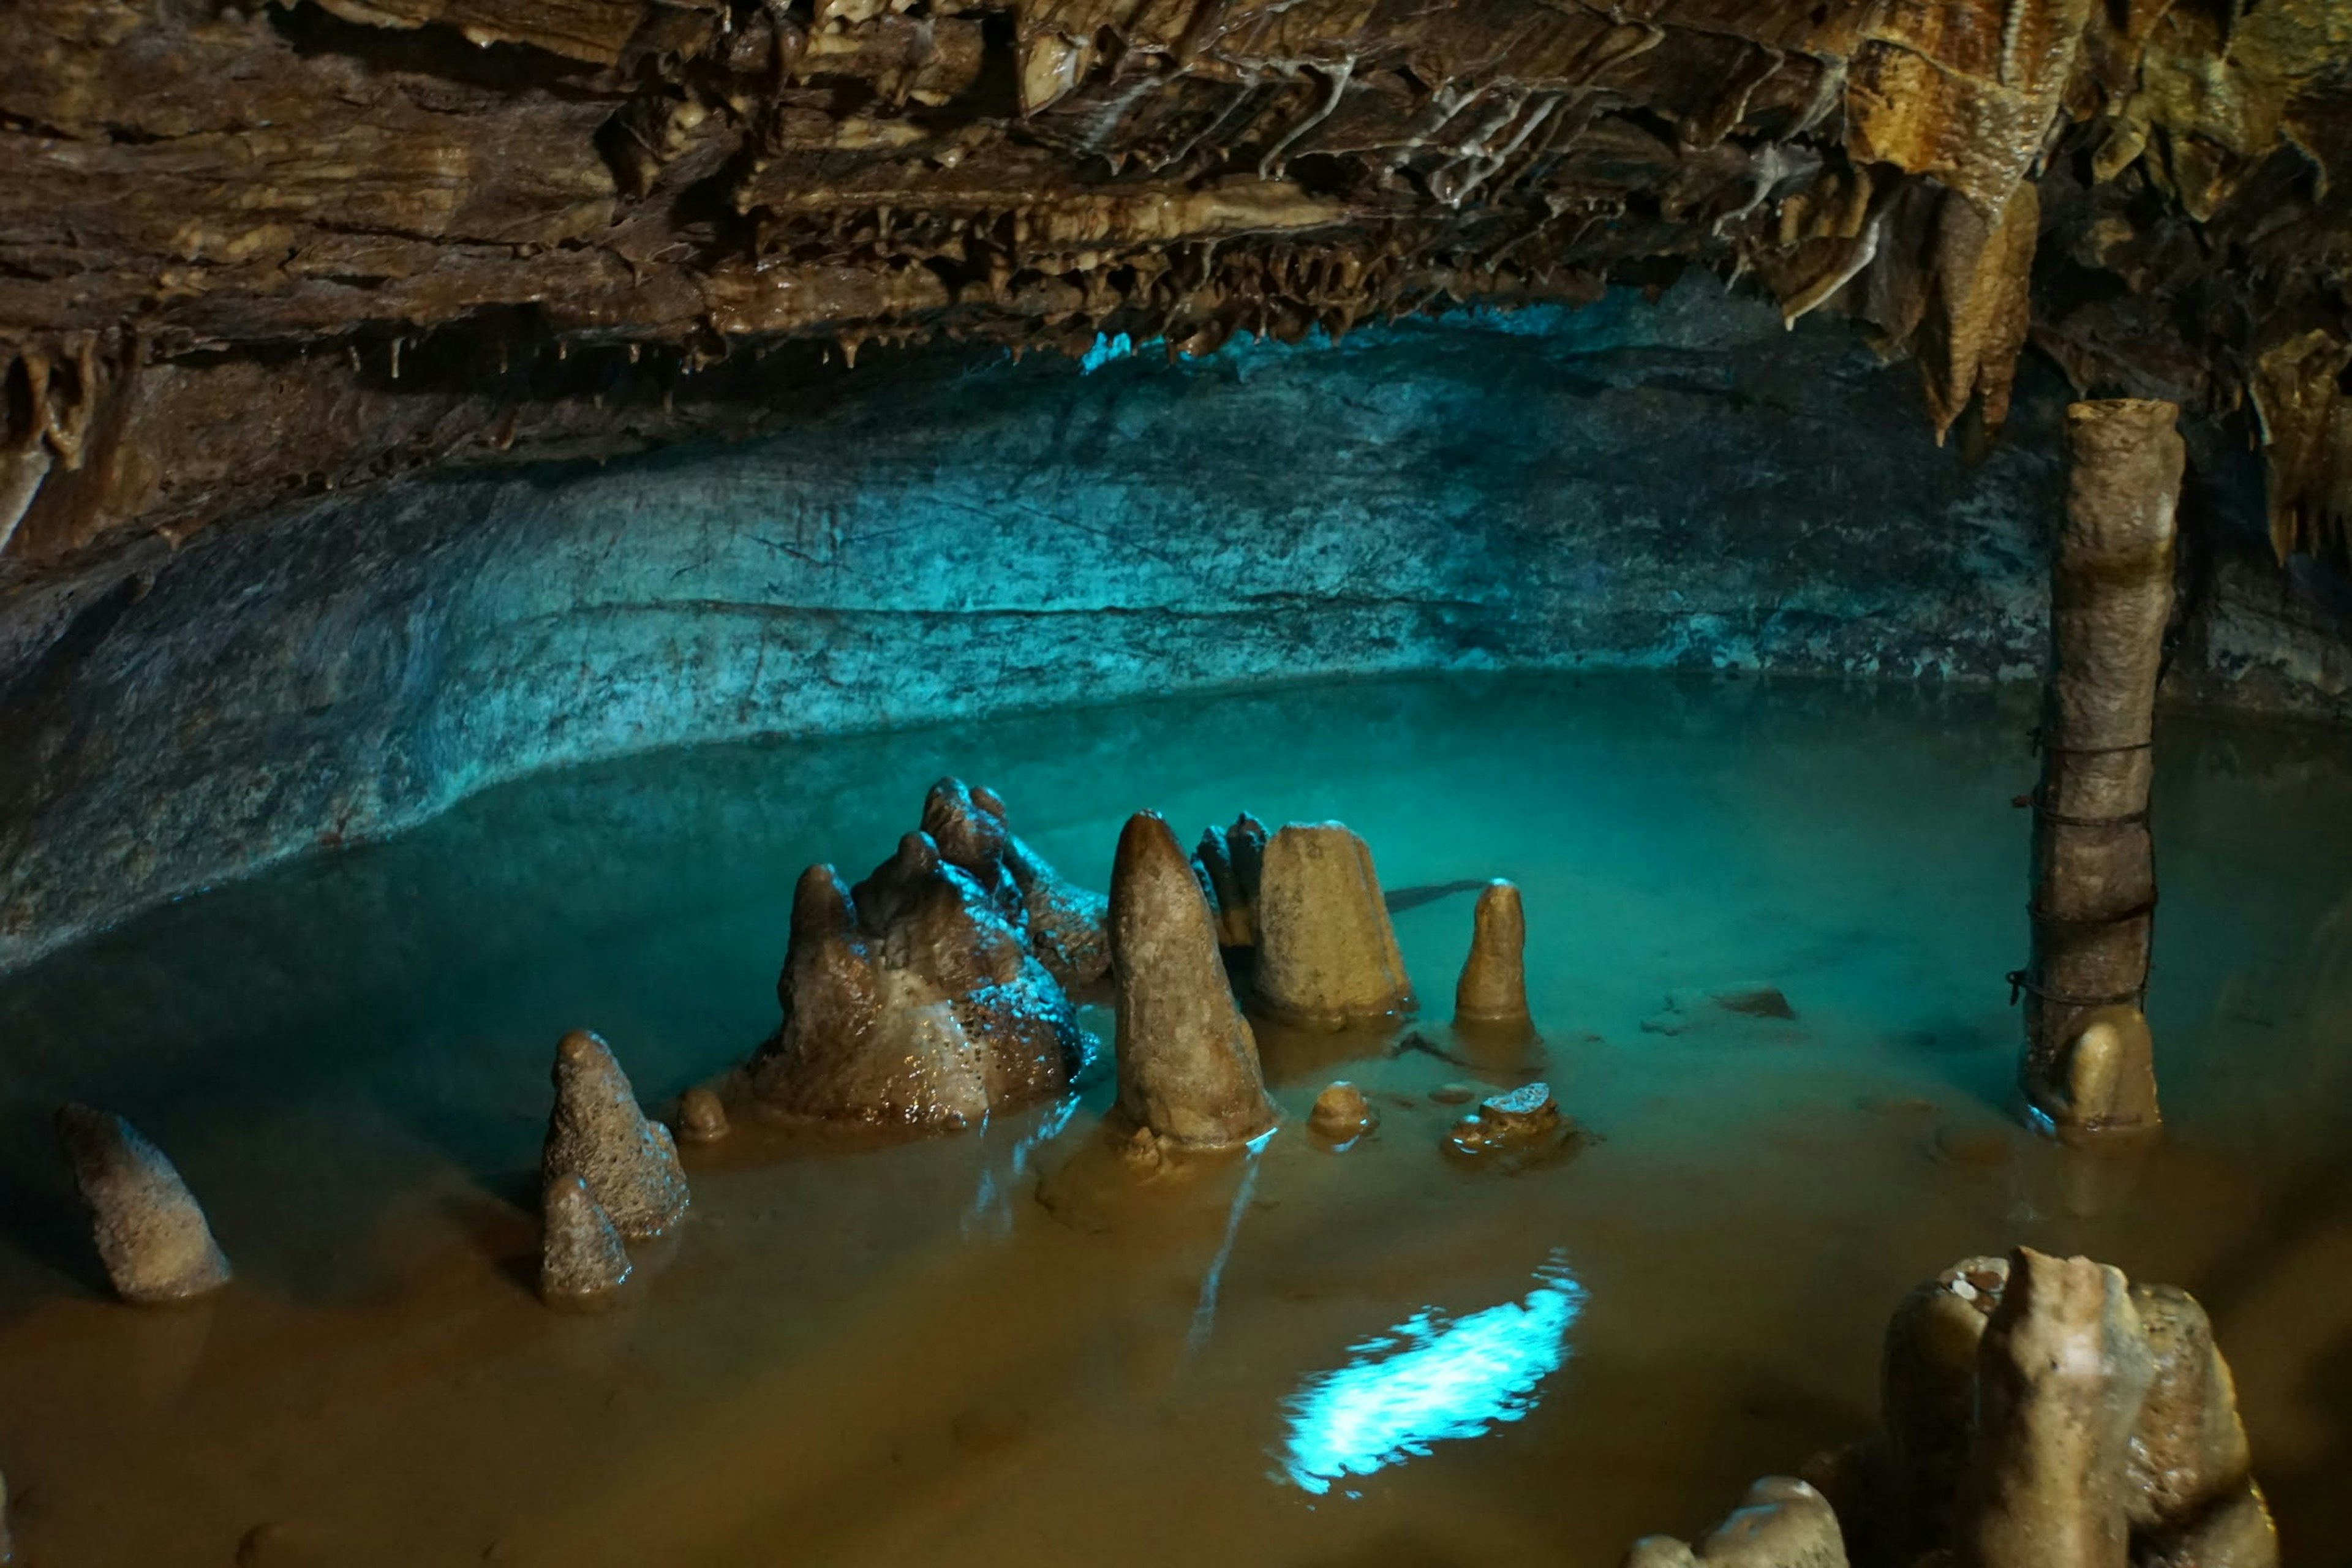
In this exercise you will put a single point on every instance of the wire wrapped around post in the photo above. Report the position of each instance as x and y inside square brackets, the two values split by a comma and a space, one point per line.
[2087, 1061]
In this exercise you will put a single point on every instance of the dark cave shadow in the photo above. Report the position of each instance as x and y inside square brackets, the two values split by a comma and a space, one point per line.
[40, 1214]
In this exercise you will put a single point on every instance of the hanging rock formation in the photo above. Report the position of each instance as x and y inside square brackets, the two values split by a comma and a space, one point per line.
[1327, 955]
[1229, 862]
[1188, 1066]
[2094, 902]
[151, 1235]
[912, 999]
[1493, 989]
[1062, 923]
[581, 1258]
[599, 1134]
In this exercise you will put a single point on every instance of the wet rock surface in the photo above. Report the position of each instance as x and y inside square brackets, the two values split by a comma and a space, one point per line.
[1493, 990]
[1526, 1118]
[702, 1117]
[1327, 955]
[599, 1133]
[1064, 925]
[1342, 1114]
[1187, 1064]
[583, 1259]
[913, 998]
[150, 1234]
[1230, 862]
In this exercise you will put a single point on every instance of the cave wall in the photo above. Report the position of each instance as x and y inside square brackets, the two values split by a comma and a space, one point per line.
[1677, 484]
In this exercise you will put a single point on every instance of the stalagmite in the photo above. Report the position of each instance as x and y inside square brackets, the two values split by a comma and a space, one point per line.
[1062, 923]
[1326, 955]
[1187, 1067]
[1927, 1395]
[2192, 1497]
[1782, 1523]
[2094, 868]
[1342, 1114]
[598, 1132]
[912, 999]
[2061, 1373]
[150, 1234]
[1493, 985]
[581, 1258]
[702, 1117]
[1231, 862]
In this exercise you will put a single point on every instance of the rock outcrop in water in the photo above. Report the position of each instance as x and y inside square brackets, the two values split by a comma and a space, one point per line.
[1342, 1114]
[599, 1134]
[1782, 1523]
[1062, 923]
[1187, 1064]
[702, 1117]
[1327, 955]
[150, 1234]
[581, 1257]
[1229, 862]
[913, 999]
[1493, 990]
[2040, 1412]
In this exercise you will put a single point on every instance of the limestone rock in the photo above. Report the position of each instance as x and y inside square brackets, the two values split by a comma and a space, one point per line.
[1230, 862]
[912, 999]
[1188, 1066]
[1783, 1523]
[702, 1117]
[1660, 1552]
[1064, 925]
[2061, 1373]
[1326, 955]
[1522, 1118]
[2188, 1448]
[151, 1235]
[599, 1134]
[1494, 984]
[581, 1257]
[1927, 1393]
[2107, 1073]
[1341, 1113]
[2234, 1533]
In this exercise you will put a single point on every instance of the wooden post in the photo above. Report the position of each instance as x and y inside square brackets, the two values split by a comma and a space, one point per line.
[2094, 902]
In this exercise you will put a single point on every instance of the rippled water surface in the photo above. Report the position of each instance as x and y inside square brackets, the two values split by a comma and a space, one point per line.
[995, 1349]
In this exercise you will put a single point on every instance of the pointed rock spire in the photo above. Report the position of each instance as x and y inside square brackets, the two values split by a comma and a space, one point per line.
[599, 1134]
[1231, 861]
[150, 1234]
[1327, 955]
[1494, 984]
[1187, 1067]
[581, 1258]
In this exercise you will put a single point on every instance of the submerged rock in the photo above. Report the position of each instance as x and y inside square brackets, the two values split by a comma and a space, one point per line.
[581, 1259]
[1187, 1064]
[150, 1234]
[1493, 989]
[599, 1134]
[912, 999]
[1342, 1114]
[1229, 863]
[1327, 955]
[1062, 923]
[1687, 1010]
[702, 1117]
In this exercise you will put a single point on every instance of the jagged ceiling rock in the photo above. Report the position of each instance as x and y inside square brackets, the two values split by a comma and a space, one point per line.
[247, 252]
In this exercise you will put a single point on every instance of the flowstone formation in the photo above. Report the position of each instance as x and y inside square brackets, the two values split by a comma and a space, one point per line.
[599, 1134]
[582, 227]
[583, 1259]
[914, 999]
[2041, 1412]
[150, 1234]
[1188, 1063]
[1327, 955]
[1064, 923]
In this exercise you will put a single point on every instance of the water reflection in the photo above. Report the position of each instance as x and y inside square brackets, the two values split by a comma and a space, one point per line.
[1428, 1379]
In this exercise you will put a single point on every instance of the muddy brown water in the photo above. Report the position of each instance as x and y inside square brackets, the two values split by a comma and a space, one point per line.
[999, 1348]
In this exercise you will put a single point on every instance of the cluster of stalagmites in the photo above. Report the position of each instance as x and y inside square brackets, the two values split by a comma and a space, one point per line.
[933, 992]
[2037, 1412]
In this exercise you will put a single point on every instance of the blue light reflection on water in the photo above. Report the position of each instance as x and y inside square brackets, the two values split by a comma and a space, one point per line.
[1429, 1379]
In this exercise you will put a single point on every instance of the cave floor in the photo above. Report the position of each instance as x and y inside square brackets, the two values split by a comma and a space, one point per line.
[986, 1349]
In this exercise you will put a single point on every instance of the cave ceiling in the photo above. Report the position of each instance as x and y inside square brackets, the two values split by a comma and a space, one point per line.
[246, 254]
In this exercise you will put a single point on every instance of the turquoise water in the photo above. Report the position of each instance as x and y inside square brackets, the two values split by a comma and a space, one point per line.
[988, 1349]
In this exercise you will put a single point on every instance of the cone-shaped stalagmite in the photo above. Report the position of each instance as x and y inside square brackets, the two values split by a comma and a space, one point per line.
[1494, 984]
[598, 1132]
[1325, 953]
[151, 1235]
[1230, 861]
[581, 1259]
[2094, 868]
[1187, 1067]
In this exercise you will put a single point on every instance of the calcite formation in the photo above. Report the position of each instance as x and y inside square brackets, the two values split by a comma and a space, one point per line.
[1521, 1119]
[1062, 923]
[583, 1259]
[1493, 990]
[250, 250]
[913, 999]
[598, 1132]
[2093, 904]
[1188, 1063]
[1327, 955]
[702, 1117]
[150, 1234]
[1782, 1523]
[1229, 862]
[1342, 1114]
